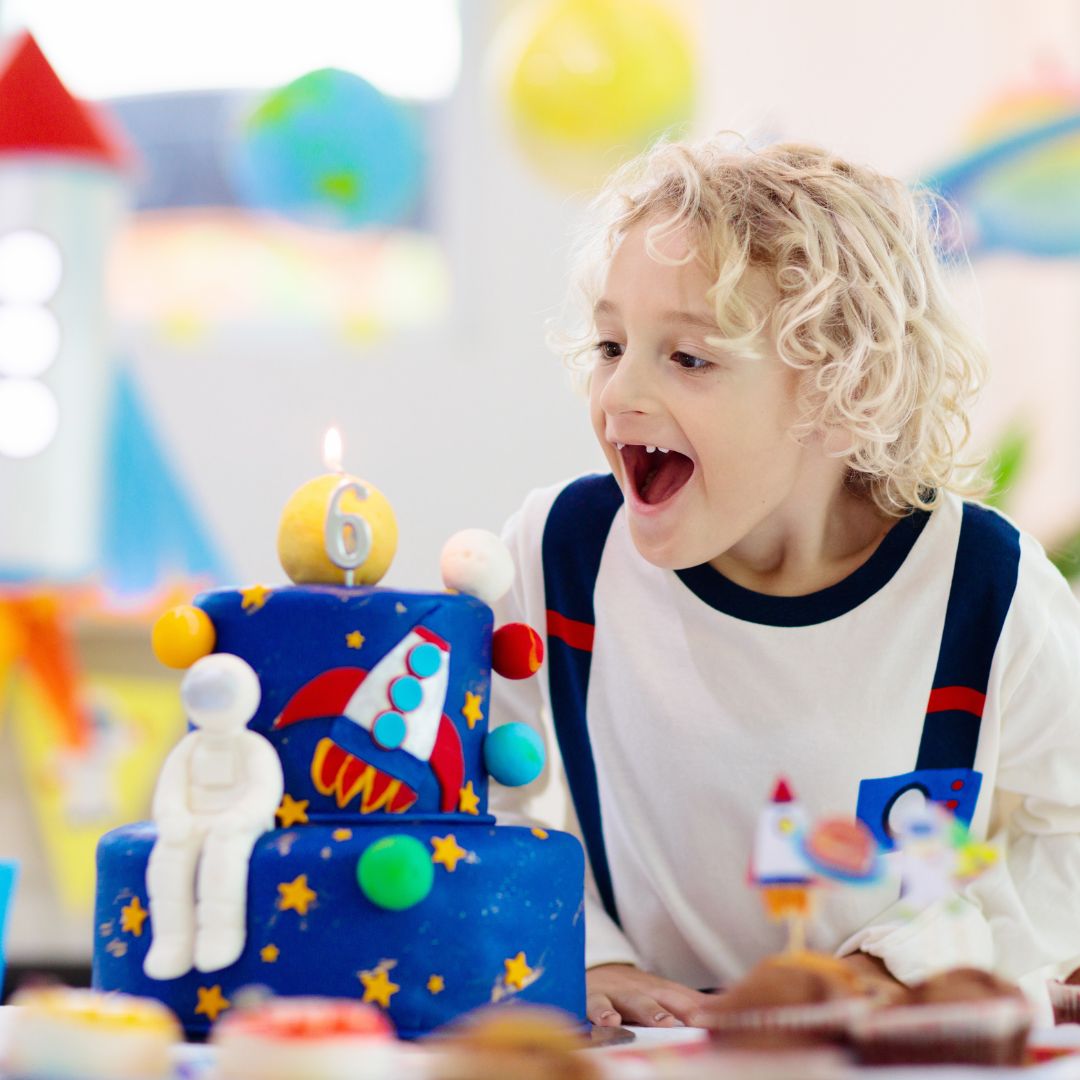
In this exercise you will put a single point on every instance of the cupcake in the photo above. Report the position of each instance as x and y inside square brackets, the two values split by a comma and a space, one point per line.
[964, 1016]
[525, 1042]
[796, 998]
[63, 1034]
[1065, 998]
[305, 1039]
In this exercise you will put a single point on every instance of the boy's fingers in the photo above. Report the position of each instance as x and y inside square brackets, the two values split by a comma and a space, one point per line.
[703, 1017]
[647, 1011]
[682, 1004]
[599, 1010]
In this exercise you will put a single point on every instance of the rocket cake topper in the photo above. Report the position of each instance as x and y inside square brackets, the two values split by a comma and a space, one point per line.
[791, 857]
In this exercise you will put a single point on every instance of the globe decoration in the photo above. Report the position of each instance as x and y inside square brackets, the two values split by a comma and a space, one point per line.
[330, 150]
[514, 754]
[589, 83]
[396, 872]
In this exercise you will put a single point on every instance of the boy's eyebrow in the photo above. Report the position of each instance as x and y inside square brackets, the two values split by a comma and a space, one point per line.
[688, 318]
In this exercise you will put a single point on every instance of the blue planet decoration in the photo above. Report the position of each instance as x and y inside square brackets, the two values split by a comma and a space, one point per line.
[1018, 186]
[514, 754]
[329, 150]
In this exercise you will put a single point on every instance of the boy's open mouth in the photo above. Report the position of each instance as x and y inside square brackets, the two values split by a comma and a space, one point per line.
[657, 473]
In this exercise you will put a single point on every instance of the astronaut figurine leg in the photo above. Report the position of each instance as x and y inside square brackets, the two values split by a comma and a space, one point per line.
[170, 880]
[221, 904]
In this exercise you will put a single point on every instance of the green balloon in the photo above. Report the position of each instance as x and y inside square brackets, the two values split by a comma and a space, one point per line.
[396, 872]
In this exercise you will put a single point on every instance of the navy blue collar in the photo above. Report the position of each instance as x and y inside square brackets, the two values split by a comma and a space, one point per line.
[710, 586]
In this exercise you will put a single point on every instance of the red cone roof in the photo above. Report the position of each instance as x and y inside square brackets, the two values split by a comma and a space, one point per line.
[39, 116]
[782, 793]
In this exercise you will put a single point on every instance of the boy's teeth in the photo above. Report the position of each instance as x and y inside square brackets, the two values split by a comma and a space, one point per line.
[619, 445]
[662, 449]
[650, 449]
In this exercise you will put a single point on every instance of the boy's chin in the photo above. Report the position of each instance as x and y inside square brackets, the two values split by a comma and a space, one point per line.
[664, 558]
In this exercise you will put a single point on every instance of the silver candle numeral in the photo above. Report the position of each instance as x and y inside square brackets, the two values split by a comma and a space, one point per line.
[347, 537]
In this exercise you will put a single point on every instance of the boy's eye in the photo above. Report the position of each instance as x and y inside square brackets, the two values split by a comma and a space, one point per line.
[609, 350]
[690, 363]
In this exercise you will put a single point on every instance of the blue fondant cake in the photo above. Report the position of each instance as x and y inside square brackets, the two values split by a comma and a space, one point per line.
[376, 702]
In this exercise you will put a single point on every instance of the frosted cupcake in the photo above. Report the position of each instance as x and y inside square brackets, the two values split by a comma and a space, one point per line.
[963, 1016]
[511, 1042]
[305, 1039]
[63, 1034]
[795, 998]
[1065, 998]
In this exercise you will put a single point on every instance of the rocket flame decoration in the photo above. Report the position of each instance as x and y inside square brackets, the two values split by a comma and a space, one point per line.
[399, 705]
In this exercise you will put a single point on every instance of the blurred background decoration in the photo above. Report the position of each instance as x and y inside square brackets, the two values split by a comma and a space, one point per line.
[589, 83]
[225, 228]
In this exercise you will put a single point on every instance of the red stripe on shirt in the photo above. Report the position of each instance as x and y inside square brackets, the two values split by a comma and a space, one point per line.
[578, 635]
[956, 699]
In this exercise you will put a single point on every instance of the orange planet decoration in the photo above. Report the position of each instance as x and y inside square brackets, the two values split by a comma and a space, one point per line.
[182, 635]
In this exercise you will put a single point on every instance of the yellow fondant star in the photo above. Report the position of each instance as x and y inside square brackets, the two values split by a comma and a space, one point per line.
[254, 596]
[133, 916]
[517, 971]
[378, 987]
[342, 834]
[436, 985]
[211, 1002]
[471, 709]
[447, 851]
[354, 640]
[468, 800]
[540, 834]
[292, 811]
[295, 895]
[269, 954]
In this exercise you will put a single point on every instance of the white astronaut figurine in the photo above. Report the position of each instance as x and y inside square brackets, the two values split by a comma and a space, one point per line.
[217, 794]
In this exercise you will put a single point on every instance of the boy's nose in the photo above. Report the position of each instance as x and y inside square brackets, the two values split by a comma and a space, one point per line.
[629, 387]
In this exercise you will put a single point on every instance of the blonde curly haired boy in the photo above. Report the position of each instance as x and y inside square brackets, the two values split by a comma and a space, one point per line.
[785, 572]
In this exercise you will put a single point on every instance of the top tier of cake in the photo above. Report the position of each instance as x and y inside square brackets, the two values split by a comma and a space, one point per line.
[376, 700]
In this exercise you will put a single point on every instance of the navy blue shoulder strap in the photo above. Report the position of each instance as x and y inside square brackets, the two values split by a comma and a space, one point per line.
[575, 533]
[983, 584]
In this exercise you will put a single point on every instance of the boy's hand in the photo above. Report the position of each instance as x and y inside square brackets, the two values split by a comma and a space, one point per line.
[621, 993]
[873, 972]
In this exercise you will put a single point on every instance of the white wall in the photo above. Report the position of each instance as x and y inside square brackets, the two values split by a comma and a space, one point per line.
[455, 424]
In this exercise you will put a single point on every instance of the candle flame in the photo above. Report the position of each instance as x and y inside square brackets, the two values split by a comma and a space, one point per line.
[332, 450]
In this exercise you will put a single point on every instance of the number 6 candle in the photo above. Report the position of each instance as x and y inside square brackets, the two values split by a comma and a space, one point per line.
[336, 529]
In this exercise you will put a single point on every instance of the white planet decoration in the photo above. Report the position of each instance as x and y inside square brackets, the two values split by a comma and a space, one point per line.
[477, 562]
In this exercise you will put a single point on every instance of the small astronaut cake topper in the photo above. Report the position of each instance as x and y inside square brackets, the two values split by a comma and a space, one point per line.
[217, 794]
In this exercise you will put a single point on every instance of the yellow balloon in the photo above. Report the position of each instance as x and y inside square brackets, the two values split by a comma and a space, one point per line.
[301, 540]
[182, 635]
[591, 82]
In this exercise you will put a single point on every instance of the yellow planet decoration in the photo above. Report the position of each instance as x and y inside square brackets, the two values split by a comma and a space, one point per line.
[589, 83]
[182, 635]
[347, 513]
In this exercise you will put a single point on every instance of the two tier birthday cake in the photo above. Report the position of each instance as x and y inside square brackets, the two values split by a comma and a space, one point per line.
[323, 829]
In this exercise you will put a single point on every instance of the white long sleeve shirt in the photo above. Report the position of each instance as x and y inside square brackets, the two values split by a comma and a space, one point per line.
[694, 694]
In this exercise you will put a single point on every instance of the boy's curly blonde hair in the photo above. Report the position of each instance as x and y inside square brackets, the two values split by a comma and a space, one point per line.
[862, 306]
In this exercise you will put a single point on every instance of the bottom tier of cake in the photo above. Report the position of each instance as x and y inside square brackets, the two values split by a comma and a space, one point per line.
[504, 920]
